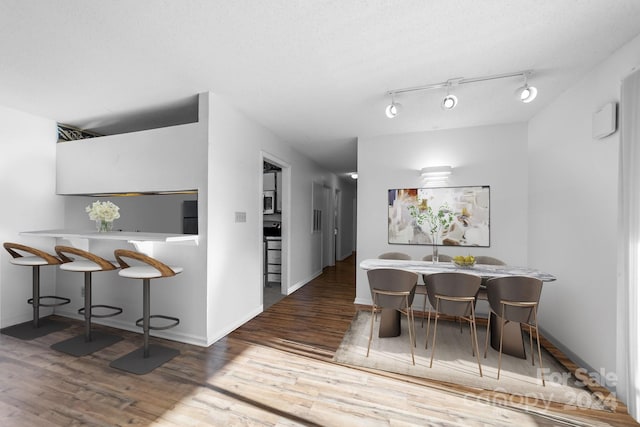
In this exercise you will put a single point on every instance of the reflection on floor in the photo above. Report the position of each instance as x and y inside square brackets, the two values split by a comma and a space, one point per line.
[271, 295]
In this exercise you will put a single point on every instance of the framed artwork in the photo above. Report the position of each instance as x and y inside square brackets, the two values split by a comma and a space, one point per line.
[445, 216]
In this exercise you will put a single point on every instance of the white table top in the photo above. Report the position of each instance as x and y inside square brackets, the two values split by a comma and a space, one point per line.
[130, 236]
[482, 270]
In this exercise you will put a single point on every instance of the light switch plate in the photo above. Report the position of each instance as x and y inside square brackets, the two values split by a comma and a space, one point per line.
[241, 217]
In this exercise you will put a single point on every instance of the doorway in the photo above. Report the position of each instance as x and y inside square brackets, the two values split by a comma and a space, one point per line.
[274, 203]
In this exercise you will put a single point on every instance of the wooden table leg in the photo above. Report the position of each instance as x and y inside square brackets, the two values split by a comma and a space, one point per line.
[512, 341]
[389, 323]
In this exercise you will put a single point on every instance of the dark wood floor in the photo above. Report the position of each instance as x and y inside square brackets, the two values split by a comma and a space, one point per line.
[275, 370]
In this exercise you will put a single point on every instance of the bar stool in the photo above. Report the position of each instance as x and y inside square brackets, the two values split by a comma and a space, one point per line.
[36, 327]
[90, 341]
[150, 356]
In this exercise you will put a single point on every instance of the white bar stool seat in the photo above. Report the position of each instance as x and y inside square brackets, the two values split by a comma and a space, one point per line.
[144, 272]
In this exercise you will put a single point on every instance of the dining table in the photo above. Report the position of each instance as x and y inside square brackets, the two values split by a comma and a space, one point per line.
[513, 342]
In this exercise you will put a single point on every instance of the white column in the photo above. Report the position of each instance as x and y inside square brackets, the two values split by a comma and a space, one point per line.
[628, 352]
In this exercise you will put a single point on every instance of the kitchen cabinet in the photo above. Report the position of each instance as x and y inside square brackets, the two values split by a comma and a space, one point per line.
[269, 181]
[272, 181]
[272, 260]
[278, 191]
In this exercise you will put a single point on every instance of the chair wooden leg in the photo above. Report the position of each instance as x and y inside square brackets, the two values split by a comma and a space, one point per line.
[411, 331]
[504, 322]
[486, 341]
[426, 341]
[435, 332]
[373, 310]
[424, 309]
[531, 346]
[474, 338]
[535, 319]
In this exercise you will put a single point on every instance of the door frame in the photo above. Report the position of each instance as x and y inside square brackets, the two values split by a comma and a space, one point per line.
[285, 193]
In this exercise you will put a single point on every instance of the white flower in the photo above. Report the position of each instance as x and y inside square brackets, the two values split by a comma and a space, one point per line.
[103, 211]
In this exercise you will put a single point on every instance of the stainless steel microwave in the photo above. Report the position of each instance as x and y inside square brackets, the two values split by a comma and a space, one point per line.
[268, 202]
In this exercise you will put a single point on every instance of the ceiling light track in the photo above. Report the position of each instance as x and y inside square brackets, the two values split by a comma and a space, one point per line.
[525, 93]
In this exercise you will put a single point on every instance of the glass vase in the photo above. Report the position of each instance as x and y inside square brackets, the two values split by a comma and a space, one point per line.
[434, 248]
[104, 226]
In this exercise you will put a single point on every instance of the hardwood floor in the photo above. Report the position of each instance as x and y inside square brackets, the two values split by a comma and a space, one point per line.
[275, 370]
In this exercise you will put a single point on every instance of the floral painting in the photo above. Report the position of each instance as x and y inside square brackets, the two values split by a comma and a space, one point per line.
[448, 216]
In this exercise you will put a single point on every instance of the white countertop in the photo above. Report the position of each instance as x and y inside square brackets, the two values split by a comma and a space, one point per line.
[130, 236]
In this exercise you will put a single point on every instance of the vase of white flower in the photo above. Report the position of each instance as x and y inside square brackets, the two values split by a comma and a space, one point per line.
[103, 213]
[104, 226]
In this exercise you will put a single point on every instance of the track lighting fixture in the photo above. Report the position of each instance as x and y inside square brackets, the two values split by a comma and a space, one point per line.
[449, 102]
[392, 109]
[525, 93]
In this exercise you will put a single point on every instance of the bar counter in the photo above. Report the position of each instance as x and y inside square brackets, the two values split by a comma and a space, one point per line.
[80, 238]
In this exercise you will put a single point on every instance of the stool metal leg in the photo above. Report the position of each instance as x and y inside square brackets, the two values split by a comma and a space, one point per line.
[36, 295]
[36, 327]
[87, 306]
[90, 341]
[146, 313]
[149, 356]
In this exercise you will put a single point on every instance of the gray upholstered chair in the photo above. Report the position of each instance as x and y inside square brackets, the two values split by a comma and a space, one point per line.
[28, 256]
[393, 289]
[453, 294]
[422, 290]
[395, 255]
[515, 299]
[77, 260]
[441, 258]
[486, 260]
[489, 260]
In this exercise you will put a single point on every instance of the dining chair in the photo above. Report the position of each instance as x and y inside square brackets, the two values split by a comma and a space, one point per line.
[489, 260]
[422, 290]
[441, 258]
[486, 260]
[515, 299]
[395, 255]
[453, 294]
[393, 289]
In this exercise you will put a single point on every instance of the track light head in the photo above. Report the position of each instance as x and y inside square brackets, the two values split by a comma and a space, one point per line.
[526, 93]
[449, 102]
[392, 110]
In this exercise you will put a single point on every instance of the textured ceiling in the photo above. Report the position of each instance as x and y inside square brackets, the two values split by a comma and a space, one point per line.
[313, 72]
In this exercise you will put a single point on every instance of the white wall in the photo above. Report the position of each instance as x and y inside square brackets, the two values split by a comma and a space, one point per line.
[170, 158]
[27, 191]
[489, 155]
[236, 148]
[573, 199]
